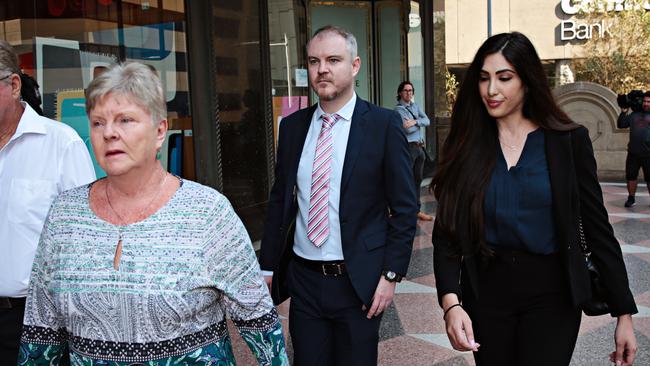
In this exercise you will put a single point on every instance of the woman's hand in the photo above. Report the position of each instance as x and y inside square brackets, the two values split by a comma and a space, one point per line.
[625, 342]
[459, 330]
[458, 324]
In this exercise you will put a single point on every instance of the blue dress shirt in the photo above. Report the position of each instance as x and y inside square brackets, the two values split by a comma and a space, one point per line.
[412, 111]
[518, 204]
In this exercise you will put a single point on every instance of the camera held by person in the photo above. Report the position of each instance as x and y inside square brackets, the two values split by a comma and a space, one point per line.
[633, 99]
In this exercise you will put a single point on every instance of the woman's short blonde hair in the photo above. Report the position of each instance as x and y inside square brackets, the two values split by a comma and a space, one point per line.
[134, 80]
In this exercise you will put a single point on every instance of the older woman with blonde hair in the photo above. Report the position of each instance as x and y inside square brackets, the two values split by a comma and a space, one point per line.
[142, 266]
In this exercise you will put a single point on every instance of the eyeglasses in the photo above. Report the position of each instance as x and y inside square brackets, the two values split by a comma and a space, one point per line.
[2, 78]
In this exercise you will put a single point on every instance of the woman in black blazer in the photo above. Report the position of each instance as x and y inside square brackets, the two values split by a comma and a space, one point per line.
[514, 179]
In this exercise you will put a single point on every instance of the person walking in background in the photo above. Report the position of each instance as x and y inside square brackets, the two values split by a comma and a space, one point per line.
[141, 267]
[638, 148]
[413, 118]
[515, 179]
[342, 212]
[39, 158]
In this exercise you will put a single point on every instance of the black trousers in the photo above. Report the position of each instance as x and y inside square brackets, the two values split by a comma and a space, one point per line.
[417, 164]
[11, 327]
[524, 315]
[635, 162]
[326, 322]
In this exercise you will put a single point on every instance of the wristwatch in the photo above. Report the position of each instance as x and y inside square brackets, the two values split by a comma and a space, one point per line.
[391, 276]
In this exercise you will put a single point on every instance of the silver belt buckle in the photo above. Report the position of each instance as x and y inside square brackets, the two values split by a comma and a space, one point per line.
[335, 273]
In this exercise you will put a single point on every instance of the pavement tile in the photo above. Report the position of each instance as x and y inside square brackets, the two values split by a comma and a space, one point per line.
[428, 280]
[638, 273]
[616, 219]
[411, 351]
[428, 207]
[425, 228]
[632, 231]
[645, 243]
[422, 241]
[634, 249]
[631, 215]
[589, 323]
[409, 287]
[644, 312]
[391, 325]
[241, 351]
[616, 208]
[283, 309]
[642, 326]
[417, 312]
[421, 263]
[642, 299]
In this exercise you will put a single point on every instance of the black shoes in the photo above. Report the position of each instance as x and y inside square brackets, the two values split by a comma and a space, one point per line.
[630, 201]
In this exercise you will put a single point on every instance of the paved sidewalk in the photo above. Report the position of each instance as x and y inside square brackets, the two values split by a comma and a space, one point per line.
[412, 331]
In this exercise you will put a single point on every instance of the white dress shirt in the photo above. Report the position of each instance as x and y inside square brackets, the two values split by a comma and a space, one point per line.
[42, 159]
[332, 248]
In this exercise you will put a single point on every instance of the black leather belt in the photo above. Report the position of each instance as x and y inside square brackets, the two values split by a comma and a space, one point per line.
[12, 302]
[326, 268]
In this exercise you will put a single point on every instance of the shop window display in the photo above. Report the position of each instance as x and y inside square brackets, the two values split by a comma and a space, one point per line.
[63, 44]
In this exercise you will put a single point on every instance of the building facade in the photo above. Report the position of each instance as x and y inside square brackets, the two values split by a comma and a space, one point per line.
[562, 32]
[230, 70]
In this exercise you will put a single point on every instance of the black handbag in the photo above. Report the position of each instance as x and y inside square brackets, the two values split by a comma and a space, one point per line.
[597, 305]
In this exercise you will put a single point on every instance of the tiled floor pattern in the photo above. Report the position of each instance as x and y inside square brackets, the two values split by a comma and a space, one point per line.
[412, 331]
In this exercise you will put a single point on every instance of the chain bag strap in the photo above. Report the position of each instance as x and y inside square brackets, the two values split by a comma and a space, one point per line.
[597, 304]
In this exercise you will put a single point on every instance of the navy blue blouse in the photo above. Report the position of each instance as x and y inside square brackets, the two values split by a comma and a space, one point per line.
[518, 202]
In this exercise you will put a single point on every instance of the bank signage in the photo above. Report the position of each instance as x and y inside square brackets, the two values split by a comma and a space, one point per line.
[575, 30]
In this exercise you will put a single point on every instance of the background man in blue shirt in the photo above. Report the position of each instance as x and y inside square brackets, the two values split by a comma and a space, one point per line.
[413, 118]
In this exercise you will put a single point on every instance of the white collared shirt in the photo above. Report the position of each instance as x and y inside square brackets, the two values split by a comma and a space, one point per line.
[42, 159]
[332, 248]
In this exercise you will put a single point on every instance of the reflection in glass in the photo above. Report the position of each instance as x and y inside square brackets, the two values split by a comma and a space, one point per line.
[288, 36]
[242, 122]
[64, 44]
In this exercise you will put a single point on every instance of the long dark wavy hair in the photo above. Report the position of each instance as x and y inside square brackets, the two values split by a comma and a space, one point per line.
[469, 154]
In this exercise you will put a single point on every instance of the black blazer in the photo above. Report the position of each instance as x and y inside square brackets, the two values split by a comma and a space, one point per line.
[576, 192]
[377, 209]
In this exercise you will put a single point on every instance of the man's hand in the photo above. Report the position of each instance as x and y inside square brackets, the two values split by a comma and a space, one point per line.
[382, 298]
[409, 123]
[269, 281]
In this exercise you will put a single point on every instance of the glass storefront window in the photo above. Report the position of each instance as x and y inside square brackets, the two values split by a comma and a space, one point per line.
[442, 108]
[63, 44]
[242, 120]
[288, 37]
[415, 53]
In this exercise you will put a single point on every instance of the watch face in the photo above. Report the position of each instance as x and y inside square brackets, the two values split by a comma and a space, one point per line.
[390, 275]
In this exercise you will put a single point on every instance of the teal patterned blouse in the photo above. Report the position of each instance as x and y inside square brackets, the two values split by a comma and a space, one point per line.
[181, 271]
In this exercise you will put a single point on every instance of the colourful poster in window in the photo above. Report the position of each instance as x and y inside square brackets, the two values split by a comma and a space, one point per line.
[71, 110]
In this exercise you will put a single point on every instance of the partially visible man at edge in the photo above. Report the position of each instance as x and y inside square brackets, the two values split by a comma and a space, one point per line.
[638, 149]
[342, 212]
[39, 158]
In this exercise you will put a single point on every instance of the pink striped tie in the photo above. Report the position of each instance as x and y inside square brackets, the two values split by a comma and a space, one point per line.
[318, 223]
